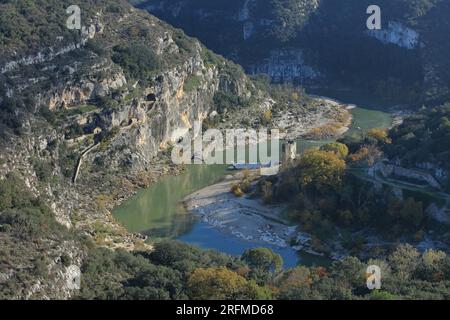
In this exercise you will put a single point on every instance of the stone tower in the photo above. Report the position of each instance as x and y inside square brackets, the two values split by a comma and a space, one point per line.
[289, 151]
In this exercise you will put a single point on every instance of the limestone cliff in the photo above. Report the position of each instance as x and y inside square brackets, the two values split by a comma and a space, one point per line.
[86, 118]
[297, 41]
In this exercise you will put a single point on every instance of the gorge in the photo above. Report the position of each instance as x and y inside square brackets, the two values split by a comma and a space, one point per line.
[159, 211]
[91, 201]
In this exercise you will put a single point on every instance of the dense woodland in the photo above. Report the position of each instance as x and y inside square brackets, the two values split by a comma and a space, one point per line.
[331, 197]
[423, 137]
[178, 271]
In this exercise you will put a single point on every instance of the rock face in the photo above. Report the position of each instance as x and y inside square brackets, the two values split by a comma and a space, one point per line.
[247, 23]
[86, 91]
[159, 123]
[79, 98]
[50, 53]
[286, 66]
[388, 170]
[325, 42]
[398, 34]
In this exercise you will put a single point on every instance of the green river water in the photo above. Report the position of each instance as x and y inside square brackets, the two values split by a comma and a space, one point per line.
[158, 212]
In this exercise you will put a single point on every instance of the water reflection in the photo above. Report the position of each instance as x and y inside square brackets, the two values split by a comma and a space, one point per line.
[157, 211]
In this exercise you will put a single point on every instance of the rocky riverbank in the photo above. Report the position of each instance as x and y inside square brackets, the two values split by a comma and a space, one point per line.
[329, 119]
[247, 219]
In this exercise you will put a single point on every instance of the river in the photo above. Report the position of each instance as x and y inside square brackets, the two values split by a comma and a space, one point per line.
[158, 212]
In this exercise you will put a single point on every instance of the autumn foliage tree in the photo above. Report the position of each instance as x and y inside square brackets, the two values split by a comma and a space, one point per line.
[215, 283]
[339, 149]
[293, 279]
[264, 259]
[409, 214]
[367, 155]
[380, 135]
[223, 284]
[321, 170]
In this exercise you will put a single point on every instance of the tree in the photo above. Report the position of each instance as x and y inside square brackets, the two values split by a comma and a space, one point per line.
[385, 268]
[382, 295]
[367, 155]
[359, 155]
[263, 259]
[412, 211]
[154, 282]
[380, 135]
[292, 281]
[404, 261]
[345, 217]
[340, 149]
[215, 283]
[407, 213]
[137, 60]
[321, 170]
[290, 16]
[186, 258]
[267, 191]
[255, 292]
[433, 266]
[350, 272]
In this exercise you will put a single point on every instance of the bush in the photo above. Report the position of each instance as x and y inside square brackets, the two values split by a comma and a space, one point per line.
[263, 259]
[380, 135]
[321, 170]
[192, 83]
[228, 101]
[23, 215]
[340, 149]
[43, 170]
[266, 117]
[243, 186]
[236, 190]
[137, 60]
[222, 284]
[107, 103]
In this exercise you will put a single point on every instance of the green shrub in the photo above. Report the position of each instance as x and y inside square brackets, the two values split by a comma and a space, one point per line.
[137, 60]
[192, 83]
[43, 170]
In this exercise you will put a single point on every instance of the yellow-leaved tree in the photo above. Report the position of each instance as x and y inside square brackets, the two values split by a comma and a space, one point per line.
[223, 284]
[381, 135]
[321, 170]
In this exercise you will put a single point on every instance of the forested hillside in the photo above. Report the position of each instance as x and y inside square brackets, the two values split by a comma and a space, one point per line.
[177, 271]
[327, 42]
[84, 116]
[423, 138]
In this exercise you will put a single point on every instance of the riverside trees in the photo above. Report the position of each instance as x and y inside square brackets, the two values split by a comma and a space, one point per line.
[163, 275]
[321, 170]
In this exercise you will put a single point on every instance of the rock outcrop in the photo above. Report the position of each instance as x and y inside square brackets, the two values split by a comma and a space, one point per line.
[84, 95]
[328, 38]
